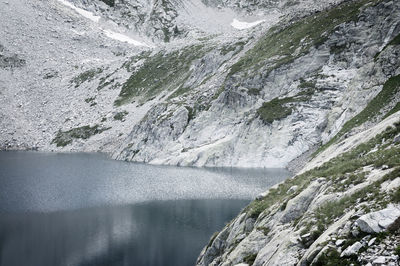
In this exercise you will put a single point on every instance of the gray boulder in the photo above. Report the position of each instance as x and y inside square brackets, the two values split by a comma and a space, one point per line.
[396, 139]
[299, 204]
[352, 250]
[378, 221]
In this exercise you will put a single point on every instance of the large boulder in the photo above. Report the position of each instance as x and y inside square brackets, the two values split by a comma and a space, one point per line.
[352, 250]
[299, 204]
[378, 221]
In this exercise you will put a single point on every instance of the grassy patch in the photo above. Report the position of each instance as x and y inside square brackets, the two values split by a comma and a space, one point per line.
[213, 237]
[264, 229]
[11, 61]
[282, 45]
[160, 72]
[232, 47]
[50, 75]
[86, 76]
[120, 115]
[334, 169]
[304, 84]
[110, 3]
[384, 97]
[327, 213]
[253, 91]
[395, 41]
[332, 258]
[249, 259]
[395, 109]
[274, 110]
[397, 251]
[89, 100]
[337, 49]
[131, 64]
[396, 196]
[180, 91]
[278, 109]
[64, 138]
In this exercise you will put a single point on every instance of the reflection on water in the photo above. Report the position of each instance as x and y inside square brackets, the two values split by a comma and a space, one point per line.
[84, 209]
[48, 182]
[155, 233]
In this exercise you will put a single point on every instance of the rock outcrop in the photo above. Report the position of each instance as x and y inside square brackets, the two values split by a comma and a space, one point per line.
[214, 97]
[226, 83]
[376, 222]
[339, 214]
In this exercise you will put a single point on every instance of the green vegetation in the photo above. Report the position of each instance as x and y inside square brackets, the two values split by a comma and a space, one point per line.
[264, 229]
[120, 115]
[334, 170]
[277, 109]
[328, 212]
[332, 258]
[397, 251]
[307, 84]
[274, 110]
[249, 259]
[235, 48]
[91, 101]
[282, 45]
[110, 3]
[342, 183]
[86, 76]
[213, 237]
[64, 138]
[191, 113]
[253, 91]
[180, 91]
[395, 41]
[396, 196]
[50, 75]
[130, 65]
[390, 89]
[107, 80]
[337, 49]
[11, 61]
[160, 72]
[395, 109]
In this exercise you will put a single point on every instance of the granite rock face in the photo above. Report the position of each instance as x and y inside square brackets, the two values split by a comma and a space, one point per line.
[198, 99]
[324, 221]
[376, 222]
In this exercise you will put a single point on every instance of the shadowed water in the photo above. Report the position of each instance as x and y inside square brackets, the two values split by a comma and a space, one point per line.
[84, 209]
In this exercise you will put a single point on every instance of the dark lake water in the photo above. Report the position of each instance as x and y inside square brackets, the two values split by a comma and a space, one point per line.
[85, 209]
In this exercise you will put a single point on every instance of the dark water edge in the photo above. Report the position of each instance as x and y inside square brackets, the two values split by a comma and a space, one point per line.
[85, 209]
[154, 233]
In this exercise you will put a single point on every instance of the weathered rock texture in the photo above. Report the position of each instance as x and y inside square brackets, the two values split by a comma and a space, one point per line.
[339, 214]
[258, 97]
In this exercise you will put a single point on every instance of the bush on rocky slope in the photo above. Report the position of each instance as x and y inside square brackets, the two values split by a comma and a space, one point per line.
[63, 138]
[282, 45]
[160, 72]
[390, 89]
[350, 181]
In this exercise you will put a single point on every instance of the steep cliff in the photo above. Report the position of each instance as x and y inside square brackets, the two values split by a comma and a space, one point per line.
[226, 83]
[342, 209]
[238, 89]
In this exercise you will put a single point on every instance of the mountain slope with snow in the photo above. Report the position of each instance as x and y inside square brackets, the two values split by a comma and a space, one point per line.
[243, 89]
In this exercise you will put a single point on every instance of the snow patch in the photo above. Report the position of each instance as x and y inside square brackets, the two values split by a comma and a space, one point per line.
[110, 34]
[122, 38]
[241, 25]
[81, 11]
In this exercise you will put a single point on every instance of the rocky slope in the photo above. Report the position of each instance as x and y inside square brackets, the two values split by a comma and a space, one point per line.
[79, 76]
[343, 209]
[225, 83]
